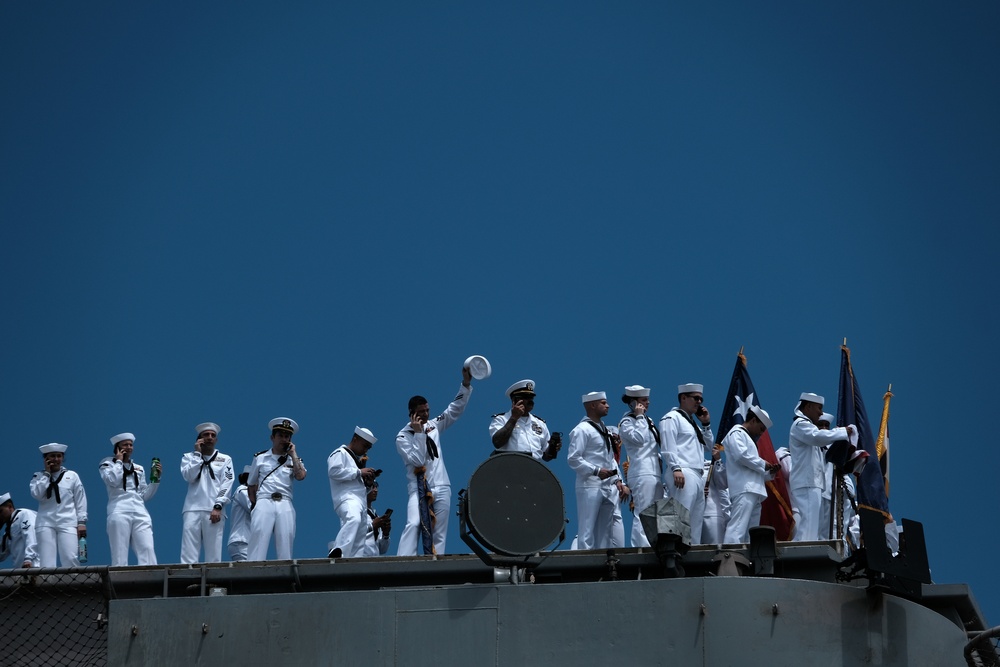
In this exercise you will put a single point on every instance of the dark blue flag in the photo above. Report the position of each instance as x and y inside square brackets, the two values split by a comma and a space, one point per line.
[851, 410]
[776, 510]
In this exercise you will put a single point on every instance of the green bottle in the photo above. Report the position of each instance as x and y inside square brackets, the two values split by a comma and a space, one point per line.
[154, 474]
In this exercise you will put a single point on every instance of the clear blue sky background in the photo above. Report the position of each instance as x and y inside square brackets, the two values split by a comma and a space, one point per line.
[235, 211]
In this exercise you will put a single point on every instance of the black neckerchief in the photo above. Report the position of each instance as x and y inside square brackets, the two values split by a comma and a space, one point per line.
[603, 430]
[697, 431]
[207, 464]
[432, 448]
[54, 486]
[6, 532]
[354, 457]
[135, 474]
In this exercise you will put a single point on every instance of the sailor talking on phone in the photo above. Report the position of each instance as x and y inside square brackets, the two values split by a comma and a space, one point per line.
[128, 519]
[428, 487]
[686, 439]
[270, 491]
[520, 430]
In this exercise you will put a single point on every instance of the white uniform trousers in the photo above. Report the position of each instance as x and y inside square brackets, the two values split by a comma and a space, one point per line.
[353, 528]
[238, 551]
[824, 518]
[616, 540]
[713, 530]
[744, 514]
[63, 540]
[410, 541]
[125, 527]
[269, 517]
[807, 502]
[692, 496]
[595, 513]
[199, 530]
[646, 490]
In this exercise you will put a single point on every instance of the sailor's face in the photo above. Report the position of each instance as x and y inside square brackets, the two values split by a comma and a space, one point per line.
[812, 410]
[422, 413]
[281, 439]
[54, 461]
[5, 511]
[126, 447]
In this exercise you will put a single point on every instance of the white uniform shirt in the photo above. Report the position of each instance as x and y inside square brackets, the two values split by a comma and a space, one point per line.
[747, 471]
[72, 508]
[589, 453]
[239, 531]
[641, 445]
[204, 492]
[717, 502]
[679, 445]
[17, 539]
[130, 497]
[805, 442]
[412, 447]
[530, 434]
[269, 483]
[345, 477]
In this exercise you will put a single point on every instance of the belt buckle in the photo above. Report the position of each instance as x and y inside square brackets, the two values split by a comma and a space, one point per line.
[275, 496]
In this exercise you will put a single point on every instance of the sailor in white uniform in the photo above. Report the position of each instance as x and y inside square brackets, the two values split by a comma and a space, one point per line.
[805, 442]
[686, 435]
[209, 476]
[128, 492]
[747, 473]
[270, 488]
[641, 440]
[17, 535]
[349, 479]
[599, 486]
[419, 445]
[717, 502]
[239, 528]
[62, 509]
[825, 421]
[375, 545]
[520, 430]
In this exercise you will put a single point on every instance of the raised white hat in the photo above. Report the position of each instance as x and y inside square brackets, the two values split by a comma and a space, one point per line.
[762, 415]
[812, 398]
[52, 447]
[690, 388]
[365, 434]
[637, 391]
[479, 367]
[521, 387]
[4, 498]
[120, 437]
[283, 424]
[828, 418]
[594, 396]
[207, 426]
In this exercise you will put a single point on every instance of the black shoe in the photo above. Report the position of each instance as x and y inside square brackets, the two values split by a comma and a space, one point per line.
[335, 553]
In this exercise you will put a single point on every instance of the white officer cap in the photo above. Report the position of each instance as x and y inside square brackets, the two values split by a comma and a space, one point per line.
[122, 436]
[207, 426]
[812, 398]
[762, 415]
[594, 396]
[52, 447]
[690, 388]
[365, 434]
[828, 418]
[637, 391]
[283, 424]
[521, 387]
[4, 498]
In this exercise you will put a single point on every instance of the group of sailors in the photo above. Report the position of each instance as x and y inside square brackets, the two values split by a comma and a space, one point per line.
[638, 462]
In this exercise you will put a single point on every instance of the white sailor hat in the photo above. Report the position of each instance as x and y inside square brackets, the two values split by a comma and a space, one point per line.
[120, 437]
[521, 387]
[594, 396]
[690, 388]
[246, 470]
[207, 426]
[828, 418]
[762, 415]
[283, 424]
[365, 434]
[781, 453]
[52, 447]
[637, 391]
[812, 398]
[4, 498]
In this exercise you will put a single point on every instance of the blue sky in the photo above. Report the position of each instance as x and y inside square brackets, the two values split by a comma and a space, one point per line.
[232, 212]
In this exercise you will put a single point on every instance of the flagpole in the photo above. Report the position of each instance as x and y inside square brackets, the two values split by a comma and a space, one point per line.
[883, 428]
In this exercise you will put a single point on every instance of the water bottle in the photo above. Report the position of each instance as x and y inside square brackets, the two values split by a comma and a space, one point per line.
[154, 474]
[83, 550]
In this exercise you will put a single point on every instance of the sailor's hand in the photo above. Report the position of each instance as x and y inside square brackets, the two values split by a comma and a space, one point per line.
[517, 410]
[639, 409]
[81, 530]
[466, 377]
[215, 516]
[368, 475]
[679, 479]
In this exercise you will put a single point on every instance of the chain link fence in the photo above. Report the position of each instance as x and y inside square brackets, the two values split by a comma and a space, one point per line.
[54, 617]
